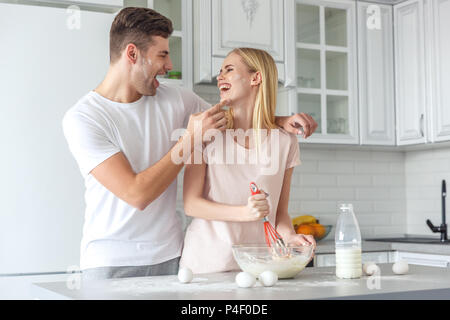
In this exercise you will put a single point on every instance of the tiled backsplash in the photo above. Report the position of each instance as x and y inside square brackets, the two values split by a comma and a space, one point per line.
[372, 181]
[424, 172]
[393, 192]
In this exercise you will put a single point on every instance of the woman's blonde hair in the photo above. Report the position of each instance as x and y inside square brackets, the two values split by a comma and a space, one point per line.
[266, 99]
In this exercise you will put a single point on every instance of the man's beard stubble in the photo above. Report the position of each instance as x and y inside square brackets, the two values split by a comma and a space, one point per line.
[147, 86]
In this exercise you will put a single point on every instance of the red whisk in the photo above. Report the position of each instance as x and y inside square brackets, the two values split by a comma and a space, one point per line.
[273, 238]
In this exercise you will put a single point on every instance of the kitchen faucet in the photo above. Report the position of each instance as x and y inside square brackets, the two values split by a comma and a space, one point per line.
[443, 227]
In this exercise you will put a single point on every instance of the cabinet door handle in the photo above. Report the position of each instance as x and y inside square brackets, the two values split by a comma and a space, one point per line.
[421, 125]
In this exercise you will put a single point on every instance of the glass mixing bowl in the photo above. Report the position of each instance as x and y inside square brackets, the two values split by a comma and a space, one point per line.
[257, 258]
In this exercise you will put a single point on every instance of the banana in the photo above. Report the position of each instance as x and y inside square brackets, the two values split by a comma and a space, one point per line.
[305, 219]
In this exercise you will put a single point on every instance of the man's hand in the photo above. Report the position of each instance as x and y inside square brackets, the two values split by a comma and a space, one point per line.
[213, 118]
[299, 123]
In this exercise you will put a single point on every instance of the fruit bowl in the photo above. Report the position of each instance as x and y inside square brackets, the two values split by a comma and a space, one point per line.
[319, 231]
[257, 258]
[327, 231]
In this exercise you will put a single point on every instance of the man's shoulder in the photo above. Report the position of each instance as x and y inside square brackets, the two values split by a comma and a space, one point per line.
[84, 107]
[84, 103]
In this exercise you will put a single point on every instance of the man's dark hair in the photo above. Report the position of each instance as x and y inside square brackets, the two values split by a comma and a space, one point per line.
[137, 26]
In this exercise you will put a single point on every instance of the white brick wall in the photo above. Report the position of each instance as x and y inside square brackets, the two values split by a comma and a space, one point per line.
[424, 172]
[372, 180]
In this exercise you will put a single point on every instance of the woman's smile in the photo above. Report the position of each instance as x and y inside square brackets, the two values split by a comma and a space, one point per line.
[224, 87]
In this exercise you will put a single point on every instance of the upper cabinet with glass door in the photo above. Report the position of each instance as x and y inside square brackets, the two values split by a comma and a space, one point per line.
[326, 68]
[180, 43]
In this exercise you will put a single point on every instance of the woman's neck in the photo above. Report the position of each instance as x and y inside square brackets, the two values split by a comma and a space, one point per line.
[243, 117]
[243, 113]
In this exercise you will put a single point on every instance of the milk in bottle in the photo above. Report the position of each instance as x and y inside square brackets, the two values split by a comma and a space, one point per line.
[348, 244]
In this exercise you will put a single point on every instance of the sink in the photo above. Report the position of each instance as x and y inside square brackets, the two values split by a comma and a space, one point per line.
[411, 239]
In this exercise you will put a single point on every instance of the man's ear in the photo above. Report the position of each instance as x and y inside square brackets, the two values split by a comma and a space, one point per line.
[256, 79]
[131, 53]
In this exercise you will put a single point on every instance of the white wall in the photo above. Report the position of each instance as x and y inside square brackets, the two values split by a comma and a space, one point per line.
[45, 68]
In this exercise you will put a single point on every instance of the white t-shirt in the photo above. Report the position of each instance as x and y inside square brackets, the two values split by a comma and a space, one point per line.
[114, 232]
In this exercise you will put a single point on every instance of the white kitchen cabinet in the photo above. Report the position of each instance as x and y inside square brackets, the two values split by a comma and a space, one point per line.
[422, 71]
[257, 24]
[326, 73]
[424, 259]
[411, 116]
[222, 25]
[437, 24]
[376, 74]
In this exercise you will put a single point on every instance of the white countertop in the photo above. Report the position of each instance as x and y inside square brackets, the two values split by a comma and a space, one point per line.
[18, 287]
[313, 283]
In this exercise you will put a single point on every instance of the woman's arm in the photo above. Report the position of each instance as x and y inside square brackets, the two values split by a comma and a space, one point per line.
[283, 221]
[197, 206]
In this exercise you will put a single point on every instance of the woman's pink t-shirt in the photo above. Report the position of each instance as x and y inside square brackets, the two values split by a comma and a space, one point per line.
[207, 244]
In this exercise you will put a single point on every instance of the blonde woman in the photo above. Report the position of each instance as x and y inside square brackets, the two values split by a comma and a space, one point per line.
[216, 191]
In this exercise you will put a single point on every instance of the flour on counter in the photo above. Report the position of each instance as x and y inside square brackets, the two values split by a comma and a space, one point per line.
[170, 284]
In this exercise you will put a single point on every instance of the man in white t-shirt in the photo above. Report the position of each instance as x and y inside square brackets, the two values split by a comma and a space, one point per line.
[121, 137]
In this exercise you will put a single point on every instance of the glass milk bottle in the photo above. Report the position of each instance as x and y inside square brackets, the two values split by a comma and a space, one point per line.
[348, 244]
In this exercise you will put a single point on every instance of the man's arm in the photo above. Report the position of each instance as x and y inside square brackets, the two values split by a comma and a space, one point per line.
[297, 123]
[140, 189]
